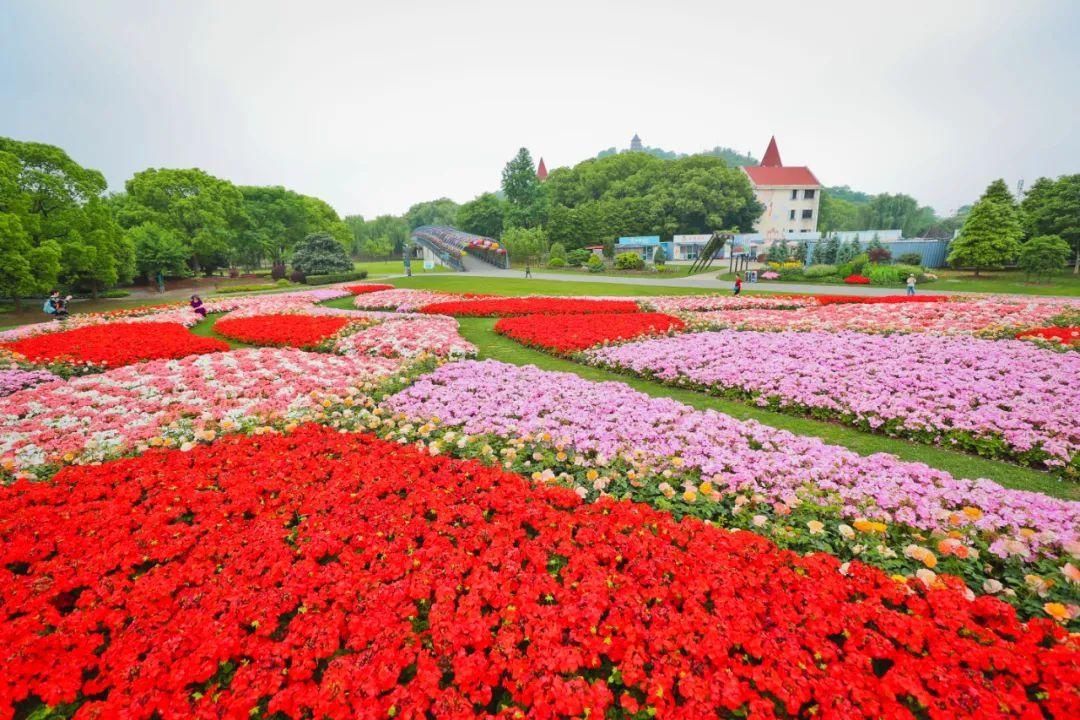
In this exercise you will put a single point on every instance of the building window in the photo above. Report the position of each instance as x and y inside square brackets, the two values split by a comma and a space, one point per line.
[791, 215]
[807, 214]
[808, 194]
[794, 194]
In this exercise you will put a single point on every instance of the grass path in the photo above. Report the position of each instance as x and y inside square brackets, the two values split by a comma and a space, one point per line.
[480, 331]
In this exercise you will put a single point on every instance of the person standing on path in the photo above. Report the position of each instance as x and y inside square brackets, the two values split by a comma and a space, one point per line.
[528, 271]
[738, 283]
[911, 284]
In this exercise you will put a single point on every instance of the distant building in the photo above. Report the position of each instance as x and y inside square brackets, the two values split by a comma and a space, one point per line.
[541, 171]
[791, 194]
[635, 144]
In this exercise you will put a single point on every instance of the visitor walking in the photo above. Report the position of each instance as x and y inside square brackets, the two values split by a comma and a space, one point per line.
[911, 284]
[738, 283]
[528, 271]
[197, 306]
[56, 305]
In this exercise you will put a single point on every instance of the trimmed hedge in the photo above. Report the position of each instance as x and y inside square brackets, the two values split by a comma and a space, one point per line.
[335, 278]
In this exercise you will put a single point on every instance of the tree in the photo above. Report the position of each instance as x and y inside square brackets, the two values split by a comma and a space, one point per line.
[203, 211]
[56, 224]
[524, 244]
[820, 254]
[836, 213]
[832, 250]
[557, 252]
[801, 251]
[991, 233]
[158, 252]
[434, 212]
[900, 211]
[659, 257]
[779, 251]
[321, 254]
[384, 236]
[877, 252]
[1043, 255]
[1052, 207]
[482, 216]
[525, 199]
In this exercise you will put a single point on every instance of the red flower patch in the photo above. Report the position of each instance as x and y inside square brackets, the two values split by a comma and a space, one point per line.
[116, 344]
[570, 333]
[508, 307]
[857, 280]
[368, 288]
[878, 299]
[299, 331]
[326, 574]
[1064, 335]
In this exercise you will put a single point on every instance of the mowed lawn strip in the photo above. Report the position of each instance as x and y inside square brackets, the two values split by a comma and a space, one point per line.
[480, 331]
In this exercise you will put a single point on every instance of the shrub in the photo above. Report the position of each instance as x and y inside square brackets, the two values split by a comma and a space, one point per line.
[629, 261]
[297, 277]
[336, 277]
[859, 262]
[278, 271]
[879, 254]
[659, 257]
[557, 252]
[595, 263]
[114, 294]
[556, 262]
[844, 270]
[1043, 255]
[247, 288]
[577, 258]
[910, 258]
[883, 274]
[819, 271]
[857, 280]
[321, 254]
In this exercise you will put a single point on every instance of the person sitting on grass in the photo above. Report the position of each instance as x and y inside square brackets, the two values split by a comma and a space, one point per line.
[197, 306]
[56, 305]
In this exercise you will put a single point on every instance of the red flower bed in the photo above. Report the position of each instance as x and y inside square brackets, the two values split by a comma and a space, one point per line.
[570, 333]
[1063, 335]
[857, 280]
[116, 344]
[299, 331]
[327, 574]
[878, 299]
[508, 307]
[364, 289]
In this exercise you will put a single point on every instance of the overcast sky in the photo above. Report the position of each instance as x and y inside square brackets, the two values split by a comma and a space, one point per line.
[373, 106]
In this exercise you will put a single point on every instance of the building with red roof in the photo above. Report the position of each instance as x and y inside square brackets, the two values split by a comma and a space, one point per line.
[541, 171]
[791, 194]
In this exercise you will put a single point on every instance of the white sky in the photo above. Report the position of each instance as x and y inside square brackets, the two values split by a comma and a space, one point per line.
[375, 106]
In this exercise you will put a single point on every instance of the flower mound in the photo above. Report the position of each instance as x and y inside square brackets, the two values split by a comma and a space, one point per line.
[570, 333]
[997, 398]
[507, 307]
[16, 379]
[299, 331]
[1064, 336]
[367, 288]
[322, 574]
[878, 299]
[115, 344]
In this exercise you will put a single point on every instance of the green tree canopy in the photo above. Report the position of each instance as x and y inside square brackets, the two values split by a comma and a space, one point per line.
[383, 236]
[1052, 207]
[482, 216]
[158, 252]
[433, 212]
[524, 244]
[1044, 255]
[55, 222]
[886, 211]
[525, 197]
[321, 254]
[991, 232]
[203, 211]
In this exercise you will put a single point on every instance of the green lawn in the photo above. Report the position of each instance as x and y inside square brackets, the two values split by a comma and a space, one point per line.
[480, 332]
[667, 271]
[382, 268]
[462, 282]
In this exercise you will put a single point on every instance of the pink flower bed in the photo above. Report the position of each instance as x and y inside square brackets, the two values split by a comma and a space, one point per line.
[962, 317]
[408, 336]
[401, 300]
[1001, 398]
[95, 416]
[702, 303]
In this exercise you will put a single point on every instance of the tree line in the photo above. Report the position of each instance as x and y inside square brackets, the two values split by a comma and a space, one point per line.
[58, 225]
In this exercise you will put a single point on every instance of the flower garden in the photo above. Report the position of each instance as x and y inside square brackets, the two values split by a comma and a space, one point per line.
[296, 509]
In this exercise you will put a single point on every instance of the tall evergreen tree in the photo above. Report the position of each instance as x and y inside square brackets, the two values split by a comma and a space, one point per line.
[523, 192]
[991, 232]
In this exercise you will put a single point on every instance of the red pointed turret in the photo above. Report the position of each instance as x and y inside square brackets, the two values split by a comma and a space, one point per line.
[541, 171]
[772, 155]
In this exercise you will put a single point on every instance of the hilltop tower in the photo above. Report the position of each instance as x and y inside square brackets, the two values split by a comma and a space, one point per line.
[635, 144]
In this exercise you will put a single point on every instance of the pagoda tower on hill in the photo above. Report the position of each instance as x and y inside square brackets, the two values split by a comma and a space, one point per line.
[635, 144]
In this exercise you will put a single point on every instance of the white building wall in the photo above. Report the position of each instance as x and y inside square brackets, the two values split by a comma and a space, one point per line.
[779, 204]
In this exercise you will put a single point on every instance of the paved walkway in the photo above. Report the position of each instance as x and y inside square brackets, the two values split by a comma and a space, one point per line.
[707, 281]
